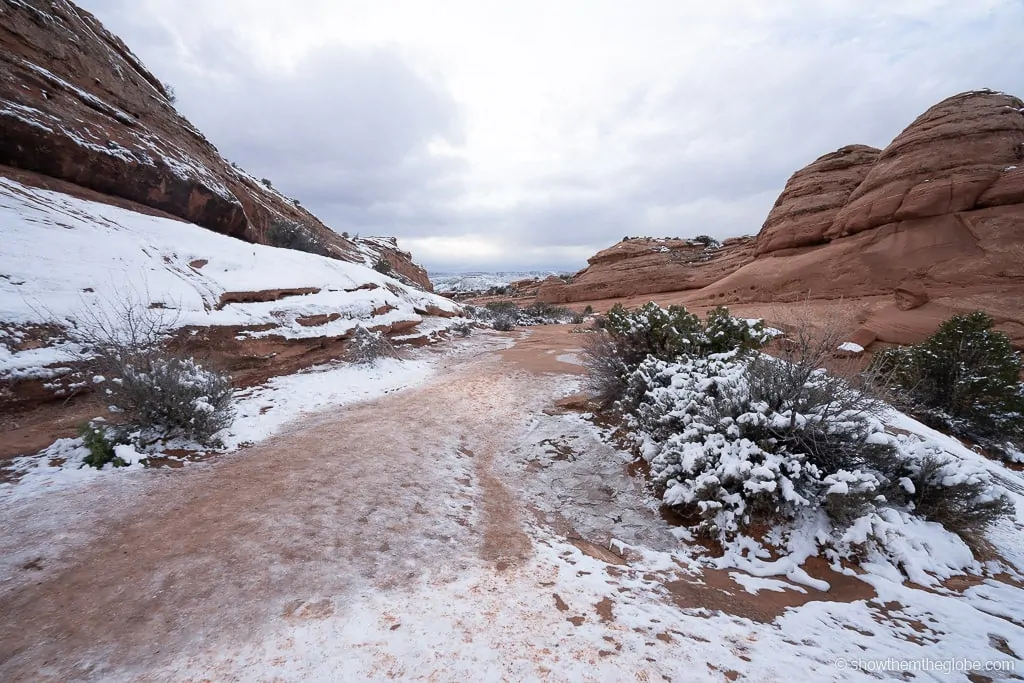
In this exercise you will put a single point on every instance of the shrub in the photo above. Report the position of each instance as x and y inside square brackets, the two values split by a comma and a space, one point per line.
[172, 396]
[383, 267]
[290, 235]
[607, 372]
[101, 449]
[726, 457]
[368, 347]
[708, 241]
[665, 334]
[160, 393]
[965, 378]
[960, 501]
[462, 329]
[504, 321]
[589, 310]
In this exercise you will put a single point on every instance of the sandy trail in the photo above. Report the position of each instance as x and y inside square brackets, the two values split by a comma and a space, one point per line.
[374, 496]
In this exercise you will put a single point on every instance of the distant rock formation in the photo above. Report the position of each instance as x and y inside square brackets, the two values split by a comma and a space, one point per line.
[648, 266]
[906, 236]
[78, 106]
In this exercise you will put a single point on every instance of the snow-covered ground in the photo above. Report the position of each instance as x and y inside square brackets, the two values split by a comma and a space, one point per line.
[459, 530]
[62, 256]
[479, 282]
[260, 413]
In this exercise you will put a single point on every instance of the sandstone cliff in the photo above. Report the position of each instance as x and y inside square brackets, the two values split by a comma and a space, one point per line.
[78, 106]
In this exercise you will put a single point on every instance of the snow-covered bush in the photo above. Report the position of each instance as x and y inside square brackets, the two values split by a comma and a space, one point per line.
[733, 445]
[368, 347]
[965, 378]
[159, 394]
[506, 315]
[462, 329]
[172, 396]
[631, 336]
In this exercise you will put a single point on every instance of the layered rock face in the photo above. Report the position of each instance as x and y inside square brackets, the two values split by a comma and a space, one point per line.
[648, 266]
[813, 196]
[937, 220]
[964, 154]
[78, 106]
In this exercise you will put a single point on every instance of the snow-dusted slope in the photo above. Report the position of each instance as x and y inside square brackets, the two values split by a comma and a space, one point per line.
[481, 282]
[60, 255]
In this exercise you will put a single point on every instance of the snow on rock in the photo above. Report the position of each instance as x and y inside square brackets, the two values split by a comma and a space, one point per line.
[62, 255]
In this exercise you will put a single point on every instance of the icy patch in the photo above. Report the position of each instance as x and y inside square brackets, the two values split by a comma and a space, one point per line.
[265, 410]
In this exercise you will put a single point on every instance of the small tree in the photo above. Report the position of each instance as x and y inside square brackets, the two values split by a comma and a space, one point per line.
[966, 376]
[383, 266]
[708, 241]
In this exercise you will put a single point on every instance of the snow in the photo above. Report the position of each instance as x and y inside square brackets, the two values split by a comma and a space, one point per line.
[480, 281]
[62, 255]
[570, 358]
[850, 346]
[265, 410]
[452, 616]
[754, 584]
[260, 412]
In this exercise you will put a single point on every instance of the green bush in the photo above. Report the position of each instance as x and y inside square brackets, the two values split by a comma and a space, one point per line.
[383, 266]
[631, 336]
[290, 235]
[101, 448]
[965, 377]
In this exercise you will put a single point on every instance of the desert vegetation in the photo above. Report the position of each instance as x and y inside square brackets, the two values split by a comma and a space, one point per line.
[367, 347]
[291, 235]
[743, 444]
[966, 379]
[507, 315]
[158, 394]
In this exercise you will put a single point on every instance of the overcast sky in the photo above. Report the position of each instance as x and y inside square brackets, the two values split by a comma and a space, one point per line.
[532, 133]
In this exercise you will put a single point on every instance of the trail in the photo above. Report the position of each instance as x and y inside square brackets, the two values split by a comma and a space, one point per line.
[458, 530]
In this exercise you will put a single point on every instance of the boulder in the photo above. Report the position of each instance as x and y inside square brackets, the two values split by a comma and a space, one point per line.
[910, 296]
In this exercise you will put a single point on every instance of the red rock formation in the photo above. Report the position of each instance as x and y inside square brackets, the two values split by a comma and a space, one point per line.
[906, 237]
[812, 198]
[961, 155]
[648, 266]
[77, 105]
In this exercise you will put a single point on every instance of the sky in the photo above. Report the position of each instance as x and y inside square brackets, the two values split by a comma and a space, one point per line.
[531, 134]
